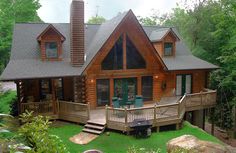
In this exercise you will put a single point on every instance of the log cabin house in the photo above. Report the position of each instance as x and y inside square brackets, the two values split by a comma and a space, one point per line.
[66, 69]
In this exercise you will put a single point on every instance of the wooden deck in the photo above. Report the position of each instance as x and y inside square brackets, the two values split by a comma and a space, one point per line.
[170, 110]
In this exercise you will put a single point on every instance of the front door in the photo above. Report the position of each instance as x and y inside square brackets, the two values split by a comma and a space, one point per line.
[125, 90]
[183, 84]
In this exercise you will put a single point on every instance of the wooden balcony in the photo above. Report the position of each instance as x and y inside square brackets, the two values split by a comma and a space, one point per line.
[160, 115]
[171, 112]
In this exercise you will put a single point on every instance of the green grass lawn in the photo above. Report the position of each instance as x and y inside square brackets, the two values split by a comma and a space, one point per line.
[119, 143]
[5, 101]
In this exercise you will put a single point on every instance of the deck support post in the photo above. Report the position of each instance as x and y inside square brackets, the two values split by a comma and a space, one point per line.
[106, 114]
[88, 110]
[53, 96]
[155, 116]
[126, 120]
[177, 126]
[213, 121]
[204, 119]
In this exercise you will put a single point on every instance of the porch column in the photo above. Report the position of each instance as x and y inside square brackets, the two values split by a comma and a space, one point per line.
[75, 83]
[18, 97]
[54, 96]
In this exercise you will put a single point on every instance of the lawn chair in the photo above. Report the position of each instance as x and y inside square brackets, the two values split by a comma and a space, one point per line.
[115, 102]
[138, 101]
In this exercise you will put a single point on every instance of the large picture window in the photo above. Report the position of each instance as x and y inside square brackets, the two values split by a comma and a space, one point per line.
[114, 59]
[103, 92]
[168, 49]
[147, 88]
[133, 57]
[51, 50]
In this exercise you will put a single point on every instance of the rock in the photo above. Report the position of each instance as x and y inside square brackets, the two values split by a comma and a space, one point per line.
[191, 144]
[93, 151]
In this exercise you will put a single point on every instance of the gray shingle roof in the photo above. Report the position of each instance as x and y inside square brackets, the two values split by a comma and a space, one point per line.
[25, 53]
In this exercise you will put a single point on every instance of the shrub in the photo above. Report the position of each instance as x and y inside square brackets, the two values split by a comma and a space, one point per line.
[6, 99]
[14, 107]
[34, 132]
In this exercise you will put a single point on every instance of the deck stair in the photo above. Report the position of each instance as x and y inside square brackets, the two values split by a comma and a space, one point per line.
[94, 127]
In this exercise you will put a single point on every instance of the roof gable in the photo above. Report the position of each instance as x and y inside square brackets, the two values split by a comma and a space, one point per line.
[50, 29]
[114, 24]
[160, 34]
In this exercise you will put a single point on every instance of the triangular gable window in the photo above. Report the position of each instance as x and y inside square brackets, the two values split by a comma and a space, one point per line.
[114, 59]
[133, 57]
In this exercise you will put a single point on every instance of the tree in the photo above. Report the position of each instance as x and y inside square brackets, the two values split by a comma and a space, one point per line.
[96, 20]
[13, 11]
[147, 21]
[209, 28]
[155, 19]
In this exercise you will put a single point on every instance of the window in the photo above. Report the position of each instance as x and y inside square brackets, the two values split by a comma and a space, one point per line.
[103, 92]
[168, 49]
[51, 50]
[45, 89]
[147, 88]
[114, 59]
[133, 57]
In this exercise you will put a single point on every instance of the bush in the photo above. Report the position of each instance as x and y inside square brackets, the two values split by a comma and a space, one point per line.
[6, 100]
[14, 107]
[34, 132]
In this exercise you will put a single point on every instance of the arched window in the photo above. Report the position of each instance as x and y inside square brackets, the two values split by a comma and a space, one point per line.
[133, 58]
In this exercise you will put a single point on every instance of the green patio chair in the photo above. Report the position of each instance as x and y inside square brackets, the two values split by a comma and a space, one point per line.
[138, 101]
[115, 102]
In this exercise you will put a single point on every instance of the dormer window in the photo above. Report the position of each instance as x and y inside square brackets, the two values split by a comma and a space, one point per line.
[50, 41]
[164, 41]
[168, 49]
[51, 49]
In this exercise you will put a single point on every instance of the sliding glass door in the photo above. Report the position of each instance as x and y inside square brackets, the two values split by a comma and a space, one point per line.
[125, 89]
[183, 84]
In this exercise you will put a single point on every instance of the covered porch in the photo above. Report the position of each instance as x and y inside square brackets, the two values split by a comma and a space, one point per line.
[49, 96]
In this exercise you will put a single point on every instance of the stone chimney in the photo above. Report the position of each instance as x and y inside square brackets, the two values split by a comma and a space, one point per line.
[77, 33]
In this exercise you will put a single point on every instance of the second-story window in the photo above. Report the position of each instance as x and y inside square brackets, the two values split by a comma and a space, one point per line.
[168, 49]
[51, 50]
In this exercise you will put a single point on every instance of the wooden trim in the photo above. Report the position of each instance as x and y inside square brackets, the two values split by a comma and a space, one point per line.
[63, 38]
[124, 52]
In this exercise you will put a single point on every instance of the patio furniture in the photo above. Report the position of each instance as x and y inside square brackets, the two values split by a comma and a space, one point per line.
[142, 127]
[115, 102]
[138, 101]
[129, 103]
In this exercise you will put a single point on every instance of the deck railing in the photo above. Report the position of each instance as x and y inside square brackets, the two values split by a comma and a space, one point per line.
[75, 112]
[43, 108]
[204, 99]
[119, 118]
[71, 111]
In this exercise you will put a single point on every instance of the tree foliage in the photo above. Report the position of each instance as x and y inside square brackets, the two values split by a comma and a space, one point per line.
[209, 28]
[12, 11]
[155, 19]
[96, 20]
[34, 132]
